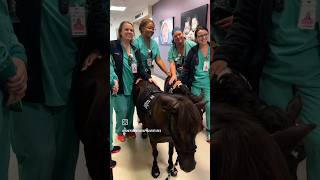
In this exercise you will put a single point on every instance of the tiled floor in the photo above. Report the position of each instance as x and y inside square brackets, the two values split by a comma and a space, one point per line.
[134, 161]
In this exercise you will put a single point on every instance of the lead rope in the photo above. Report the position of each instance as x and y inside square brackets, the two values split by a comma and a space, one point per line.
[173, 170]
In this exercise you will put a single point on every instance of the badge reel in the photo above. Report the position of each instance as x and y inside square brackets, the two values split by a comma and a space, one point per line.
[134, 68]
[307, 17]
[78, 21]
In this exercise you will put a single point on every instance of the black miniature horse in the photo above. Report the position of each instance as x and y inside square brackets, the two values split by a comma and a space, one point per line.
[231, 93]
[178, 118]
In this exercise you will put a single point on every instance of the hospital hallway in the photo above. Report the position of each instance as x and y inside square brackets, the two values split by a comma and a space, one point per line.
[134, 161]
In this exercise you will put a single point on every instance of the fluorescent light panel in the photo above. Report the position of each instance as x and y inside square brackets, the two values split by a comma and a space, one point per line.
[117, 8]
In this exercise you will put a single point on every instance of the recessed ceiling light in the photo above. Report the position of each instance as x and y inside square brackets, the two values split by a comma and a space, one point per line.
[117, 8]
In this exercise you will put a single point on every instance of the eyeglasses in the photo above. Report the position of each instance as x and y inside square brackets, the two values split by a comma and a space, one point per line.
[203, 36]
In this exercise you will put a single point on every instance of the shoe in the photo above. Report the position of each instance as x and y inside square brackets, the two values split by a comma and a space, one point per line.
[131, 135]
[121, 137]
[113, 163]
[115, 149]
[144, 135]
[208, 138]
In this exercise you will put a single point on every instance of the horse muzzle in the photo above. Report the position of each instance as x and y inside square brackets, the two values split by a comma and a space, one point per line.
[187, 165]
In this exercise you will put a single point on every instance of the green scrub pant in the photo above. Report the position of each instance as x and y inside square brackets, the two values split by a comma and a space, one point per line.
[4, 140]
[111, 122]
[124, 108]
[197, 91]
[279, 93]
[45, 142]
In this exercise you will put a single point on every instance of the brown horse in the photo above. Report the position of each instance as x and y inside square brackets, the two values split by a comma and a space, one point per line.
[178, 118]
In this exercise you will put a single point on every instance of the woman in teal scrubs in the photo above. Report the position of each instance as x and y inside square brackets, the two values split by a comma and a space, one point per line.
[179, 50]
[195, 72]
[289, 54]
[114, 83]
[12, 70]
[43, 136]
[127, 65]
[150, 49]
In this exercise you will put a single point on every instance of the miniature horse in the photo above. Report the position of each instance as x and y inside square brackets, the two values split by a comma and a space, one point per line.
[178, 118]
[232, 93]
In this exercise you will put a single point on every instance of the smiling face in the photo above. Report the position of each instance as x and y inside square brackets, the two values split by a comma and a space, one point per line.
[178, 38]
[202, 37]
[126, 32]
[148, 30]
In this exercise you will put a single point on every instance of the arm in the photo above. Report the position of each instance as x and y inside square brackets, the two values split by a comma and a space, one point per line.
[98, 25]
[241, 34]
[16, 84]
[162, 66]
[113, 78]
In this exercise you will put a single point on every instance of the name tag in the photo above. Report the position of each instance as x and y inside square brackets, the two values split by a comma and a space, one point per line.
[149, 62]
[307, 17]
[134, 68]
[205, 66]
[78, 21]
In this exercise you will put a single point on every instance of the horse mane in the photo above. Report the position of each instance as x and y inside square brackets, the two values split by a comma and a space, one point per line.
[242, 149]
[184, 90]
[187, 116]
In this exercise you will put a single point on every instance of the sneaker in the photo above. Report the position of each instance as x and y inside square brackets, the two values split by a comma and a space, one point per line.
[121, 137]
[115, 149]
[131, 135]
[113, 163]
[208, 138]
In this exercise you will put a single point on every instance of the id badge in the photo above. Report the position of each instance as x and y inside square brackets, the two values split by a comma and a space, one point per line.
[134, 68]
[307, 17]
[149, 62]
[78, 21]
[206, 66]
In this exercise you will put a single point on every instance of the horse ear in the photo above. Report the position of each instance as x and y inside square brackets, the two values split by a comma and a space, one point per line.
[287, 139]
[294, 108]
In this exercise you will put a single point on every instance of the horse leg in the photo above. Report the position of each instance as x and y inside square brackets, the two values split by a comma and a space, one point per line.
[174, 171]
[144, 134]
[155, 172]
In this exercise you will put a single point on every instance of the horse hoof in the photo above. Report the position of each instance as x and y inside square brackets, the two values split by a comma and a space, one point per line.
[174, 172]
[155, 172]
[155, 175]
[144, 135]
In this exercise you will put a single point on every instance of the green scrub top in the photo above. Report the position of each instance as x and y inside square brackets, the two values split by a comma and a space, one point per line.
[202, 78]
[113, 75]
[139, 43]
[127, 74]
[58, 52]
[295, 53]
[173, 54]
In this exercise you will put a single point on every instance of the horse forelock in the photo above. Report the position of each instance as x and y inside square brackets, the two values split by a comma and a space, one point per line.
[188, 116]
